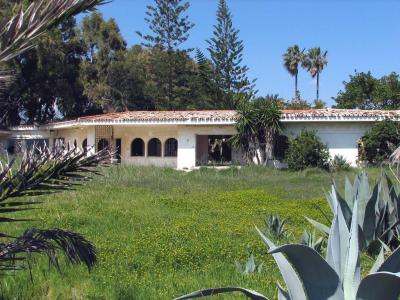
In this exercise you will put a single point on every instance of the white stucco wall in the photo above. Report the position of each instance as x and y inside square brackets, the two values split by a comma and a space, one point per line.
[146, 132]
[340, 137]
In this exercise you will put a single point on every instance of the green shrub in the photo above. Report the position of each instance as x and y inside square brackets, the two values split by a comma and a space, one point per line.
[339, 163]
[381, 140]
[307, 150]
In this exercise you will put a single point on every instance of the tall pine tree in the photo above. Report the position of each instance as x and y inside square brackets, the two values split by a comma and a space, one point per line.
[226, 52]
[170, 29]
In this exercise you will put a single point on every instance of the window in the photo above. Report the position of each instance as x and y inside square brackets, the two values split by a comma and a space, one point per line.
[102, 144]
[137, 147]
[84, 145]
[154, 148]
[171, 148]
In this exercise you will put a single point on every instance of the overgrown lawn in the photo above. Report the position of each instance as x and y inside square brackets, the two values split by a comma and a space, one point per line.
[161, 233]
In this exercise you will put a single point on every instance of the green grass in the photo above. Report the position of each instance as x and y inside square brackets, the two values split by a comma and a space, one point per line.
[161, 233]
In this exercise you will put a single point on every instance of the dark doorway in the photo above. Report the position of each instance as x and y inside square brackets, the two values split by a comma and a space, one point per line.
[102, 144]
[118, 145]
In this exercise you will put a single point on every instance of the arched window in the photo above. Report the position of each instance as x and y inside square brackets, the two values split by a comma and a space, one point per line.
[102, 144]
[171, 148]
[137, 147]
[154, 148]
[84, 145]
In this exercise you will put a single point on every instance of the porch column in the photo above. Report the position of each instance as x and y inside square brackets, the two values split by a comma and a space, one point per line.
[186, 149]
[91, 140]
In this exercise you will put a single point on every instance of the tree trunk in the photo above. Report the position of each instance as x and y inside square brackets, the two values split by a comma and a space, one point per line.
[317, 86]
[295, 87]
[269, 145]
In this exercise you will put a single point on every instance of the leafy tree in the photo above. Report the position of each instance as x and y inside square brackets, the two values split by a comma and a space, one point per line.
[226, 51]
[364, 91]
[257, 126]
[315, 61]
[104, 45]
[306, 150]
[381, 140]
[170, 29]
[36, 173]
[292, 59]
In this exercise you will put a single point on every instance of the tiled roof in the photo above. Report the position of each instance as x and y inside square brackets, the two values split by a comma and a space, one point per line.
[216, 115]
[164, 116]
[340, 113]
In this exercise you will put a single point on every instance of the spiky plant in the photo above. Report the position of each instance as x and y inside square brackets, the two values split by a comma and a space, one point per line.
[42, 171]
[311, 240]
[275, 226]
[308, 275]
[250, 266]
[378, 212]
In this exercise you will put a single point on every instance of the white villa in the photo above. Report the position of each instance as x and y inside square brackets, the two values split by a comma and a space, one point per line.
[183, 139]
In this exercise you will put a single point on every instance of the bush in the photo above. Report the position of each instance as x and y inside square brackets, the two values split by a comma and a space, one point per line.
[339, 163]
[307, 150]
[381, 140]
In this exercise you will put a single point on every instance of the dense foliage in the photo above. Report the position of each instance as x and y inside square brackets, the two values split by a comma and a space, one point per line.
[380, 141]
[257, 127]
[306, 150]
[364, 91]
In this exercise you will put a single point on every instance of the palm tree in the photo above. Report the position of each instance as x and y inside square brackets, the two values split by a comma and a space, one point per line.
[269, 116]
[292, 58]
[314, 62]
[41, 171]
[257, 125]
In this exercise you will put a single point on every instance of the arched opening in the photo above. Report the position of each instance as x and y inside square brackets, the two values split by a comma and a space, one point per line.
[154, 148]
[171, 148]
[137, 147]
[102, 144]
[84, 145]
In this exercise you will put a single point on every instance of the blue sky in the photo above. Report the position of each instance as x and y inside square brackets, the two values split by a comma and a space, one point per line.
[359, 34]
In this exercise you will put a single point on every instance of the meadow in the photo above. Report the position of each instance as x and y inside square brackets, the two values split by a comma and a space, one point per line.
[162, 233]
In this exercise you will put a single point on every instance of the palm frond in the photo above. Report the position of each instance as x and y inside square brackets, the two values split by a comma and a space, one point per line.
[18, 33]
[75, 248]
[44, 171]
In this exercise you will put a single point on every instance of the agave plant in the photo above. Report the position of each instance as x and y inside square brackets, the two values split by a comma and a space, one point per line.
[275, 226]
[378, 214]
[308, 275]
[250, 266]
[311, 240]
[42, 171]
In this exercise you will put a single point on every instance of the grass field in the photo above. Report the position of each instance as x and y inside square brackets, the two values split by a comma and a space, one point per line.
[161, 233]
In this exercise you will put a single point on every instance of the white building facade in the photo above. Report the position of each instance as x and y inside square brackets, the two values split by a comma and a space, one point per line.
[189, 139]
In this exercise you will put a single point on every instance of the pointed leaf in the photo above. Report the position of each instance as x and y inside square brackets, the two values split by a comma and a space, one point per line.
[392, 263]
[379, 286]
[282, 294]
[292, 280]
[378, 262]
[321, 227]
[319, 279]
[211, 292]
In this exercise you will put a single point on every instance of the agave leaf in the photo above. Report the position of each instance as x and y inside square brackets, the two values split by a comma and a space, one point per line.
[250, 265]
[319, 279]
[282, 294]
[348, 192]
[382, 285]
[363, 196]
[352, 273]
[321, 227]
[378, 262]
[392, 263]
[211, 292]
[338, 242]
[370, 220]
[292, 280]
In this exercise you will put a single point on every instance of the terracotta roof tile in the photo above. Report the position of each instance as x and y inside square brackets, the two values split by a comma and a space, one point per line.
[215, 115]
